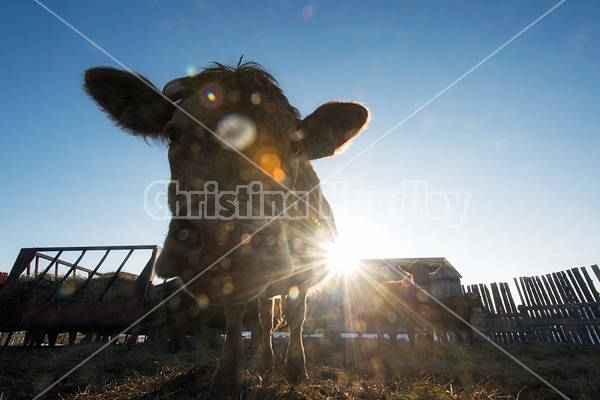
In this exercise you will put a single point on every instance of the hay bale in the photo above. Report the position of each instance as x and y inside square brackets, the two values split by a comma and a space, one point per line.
[35, 291]
[29, 290]
[119, 291]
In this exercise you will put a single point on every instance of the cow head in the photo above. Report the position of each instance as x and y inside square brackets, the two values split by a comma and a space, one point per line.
[420, 272]
[231, 132]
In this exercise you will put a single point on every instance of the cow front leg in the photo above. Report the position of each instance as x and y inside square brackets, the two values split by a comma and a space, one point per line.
[294, 310]
[410, 331]
[392, 331]
[266, 321]
[228, 377]
[470, 333]
[429, 335]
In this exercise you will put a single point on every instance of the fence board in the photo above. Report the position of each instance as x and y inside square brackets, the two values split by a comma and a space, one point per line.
[595, 295]
[569, 298]
[551, 332]
[596, 271]
[555, 330]
[548, 331]
[501, 311]
[559, 307]
[536, 312]
[580, 313]
[589, 311]
[590, 283]
[565, 299]
[485, 295]
[570, 293]
[519, 334]
[575, 286]
[566, 312]
[560, 312]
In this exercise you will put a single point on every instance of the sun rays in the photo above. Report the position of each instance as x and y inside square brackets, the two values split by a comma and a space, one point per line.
[342, 260]
[357, 240]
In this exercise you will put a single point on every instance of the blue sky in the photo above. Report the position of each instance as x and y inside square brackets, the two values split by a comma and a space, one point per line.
[517, 137]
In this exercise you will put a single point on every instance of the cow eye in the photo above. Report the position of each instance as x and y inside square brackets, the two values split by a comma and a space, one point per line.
[172, 132]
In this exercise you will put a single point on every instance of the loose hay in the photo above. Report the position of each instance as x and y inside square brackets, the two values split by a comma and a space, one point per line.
[338, 370]
[34, 291]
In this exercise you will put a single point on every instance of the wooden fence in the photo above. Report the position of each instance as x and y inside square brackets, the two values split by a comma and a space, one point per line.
[560, 307]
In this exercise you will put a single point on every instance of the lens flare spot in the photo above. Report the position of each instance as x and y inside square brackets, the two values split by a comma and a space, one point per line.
[203, 301]
[255, 98]
[270, 161]
[297, 243]
[391, 317]
[183, 234]
[246, 238]
[308, 12]
[294, 292]
[225, 263]
[67, 289]
[297, 135]
[377, 363]
[278, 174]
[211, 95]
[355, 326]
[362, 326]
[228, 288]
[422, 296]
[191, 70]
[237, 130]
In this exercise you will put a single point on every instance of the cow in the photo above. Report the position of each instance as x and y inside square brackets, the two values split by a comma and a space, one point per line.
[407, 302]
[464, 306]
[248, 217]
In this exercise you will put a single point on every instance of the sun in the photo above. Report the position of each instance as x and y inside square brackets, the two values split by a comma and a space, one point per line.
[357, 240]
[342, 259]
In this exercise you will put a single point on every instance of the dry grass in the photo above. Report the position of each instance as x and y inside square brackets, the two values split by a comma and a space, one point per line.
[339, 369]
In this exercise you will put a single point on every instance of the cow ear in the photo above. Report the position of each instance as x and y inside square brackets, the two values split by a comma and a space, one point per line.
[433, 268]
[130, 100]
[331, 127]
[406, 268]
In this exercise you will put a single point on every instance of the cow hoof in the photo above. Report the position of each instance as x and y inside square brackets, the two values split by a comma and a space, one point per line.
[268, 366]
[226, 383]
[293, 377]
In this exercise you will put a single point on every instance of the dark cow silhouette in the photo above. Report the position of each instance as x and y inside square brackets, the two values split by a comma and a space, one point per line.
[240, 157]
[464, 306]
[406, 302]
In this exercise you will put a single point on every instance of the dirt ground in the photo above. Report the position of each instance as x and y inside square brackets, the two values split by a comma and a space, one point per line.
[338, 369]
